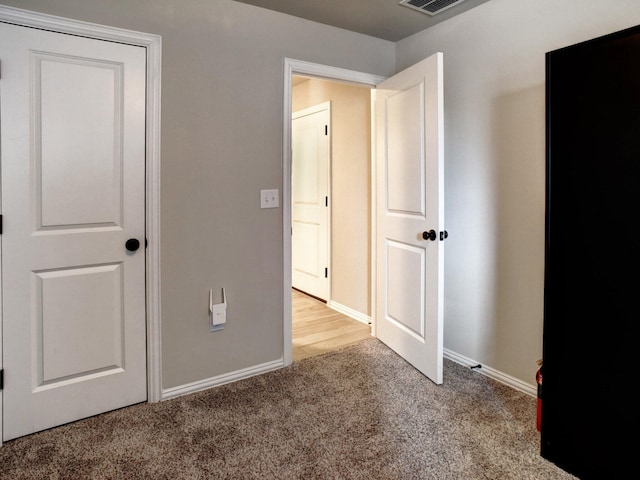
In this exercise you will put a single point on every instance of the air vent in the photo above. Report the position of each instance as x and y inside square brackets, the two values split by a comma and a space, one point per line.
[430, 7]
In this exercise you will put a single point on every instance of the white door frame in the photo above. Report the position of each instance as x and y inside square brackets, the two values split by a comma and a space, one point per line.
[153, 45]
[300, 67]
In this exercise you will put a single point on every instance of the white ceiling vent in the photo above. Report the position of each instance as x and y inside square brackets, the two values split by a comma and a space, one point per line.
[430, 7]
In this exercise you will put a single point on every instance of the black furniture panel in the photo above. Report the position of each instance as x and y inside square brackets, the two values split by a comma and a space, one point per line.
[592, 265]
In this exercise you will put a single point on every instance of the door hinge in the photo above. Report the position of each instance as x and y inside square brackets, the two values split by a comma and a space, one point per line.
[2, 379]
[326, 129]
[326, 201]
[0, 224]
[326, 273]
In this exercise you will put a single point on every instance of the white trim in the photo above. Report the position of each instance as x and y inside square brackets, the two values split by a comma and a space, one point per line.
[153, 45]
[300, 67]
[529, 389]
[154, 333]
[349, 312]
[44, 21]
[373, 242]
[231, 377]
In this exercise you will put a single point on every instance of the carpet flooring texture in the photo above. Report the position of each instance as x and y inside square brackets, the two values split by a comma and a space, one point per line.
[357, 413]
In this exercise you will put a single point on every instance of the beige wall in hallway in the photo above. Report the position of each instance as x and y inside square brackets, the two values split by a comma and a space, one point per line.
[350, 185]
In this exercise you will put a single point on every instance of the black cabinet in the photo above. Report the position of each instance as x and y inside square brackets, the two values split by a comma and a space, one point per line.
[592, 260]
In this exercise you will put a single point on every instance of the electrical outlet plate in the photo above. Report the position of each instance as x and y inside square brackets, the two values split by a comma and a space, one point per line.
[215, 328]
[269, 199]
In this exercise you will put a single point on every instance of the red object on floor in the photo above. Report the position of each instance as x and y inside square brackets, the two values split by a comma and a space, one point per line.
[539, 412]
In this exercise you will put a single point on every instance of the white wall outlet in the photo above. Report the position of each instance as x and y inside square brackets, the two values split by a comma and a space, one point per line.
[269, 199]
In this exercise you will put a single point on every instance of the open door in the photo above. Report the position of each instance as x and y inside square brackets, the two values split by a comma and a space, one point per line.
[409, 129]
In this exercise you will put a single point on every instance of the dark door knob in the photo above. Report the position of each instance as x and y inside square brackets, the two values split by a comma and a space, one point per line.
[132, 244]
[430, 235]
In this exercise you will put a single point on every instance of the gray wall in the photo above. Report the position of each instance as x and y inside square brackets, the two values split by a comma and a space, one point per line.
[222, 142]
[494, 76]
[222, 117]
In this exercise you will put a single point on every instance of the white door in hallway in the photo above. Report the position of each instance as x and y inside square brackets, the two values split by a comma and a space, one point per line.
[410, 214]
[310, 143]
[72, 123]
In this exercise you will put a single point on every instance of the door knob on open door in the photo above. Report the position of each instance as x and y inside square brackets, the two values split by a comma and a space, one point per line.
[132, 244]
[430, 235]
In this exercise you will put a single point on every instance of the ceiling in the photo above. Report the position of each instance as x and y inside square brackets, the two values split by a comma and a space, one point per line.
[384, 19]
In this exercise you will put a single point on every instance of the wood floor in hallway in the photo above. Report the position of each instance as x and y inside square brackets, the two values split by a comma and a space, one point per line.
[318, 329]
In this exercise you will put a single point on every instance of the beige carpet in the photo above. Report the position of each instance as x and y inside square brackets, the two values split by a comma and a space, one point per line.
[358, 413]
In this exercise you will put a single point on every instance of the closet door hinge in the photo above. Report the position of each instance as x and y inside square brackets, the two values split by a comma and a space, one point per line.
[326, 273]
[326, 129]
[0, 224]
[2, 379]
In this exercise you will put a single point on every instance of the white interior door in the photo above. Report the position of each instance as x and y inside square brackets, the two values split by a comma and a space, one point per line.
[72, 122]
[310, 143]
[410, 202]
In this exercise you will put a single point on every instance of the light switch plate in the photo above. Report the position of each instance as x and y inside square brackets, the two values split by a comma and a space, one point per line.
[269, 199]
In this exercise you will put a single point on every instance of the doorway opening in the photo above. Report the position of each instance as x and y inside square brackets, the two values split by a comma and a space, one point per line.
[317, 325]
[407, 192]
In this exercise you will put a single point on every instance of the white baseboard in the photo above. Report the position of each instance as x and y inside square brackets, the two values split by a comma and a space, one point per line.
[173, 392]
[349, 312]
[180, 390]
[529, 389]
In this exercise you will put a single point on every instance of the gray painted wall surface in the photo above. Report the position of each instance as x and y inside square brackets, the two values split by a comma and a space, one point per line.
[222, 135]
[494, 74]
[222, 117]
